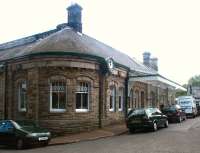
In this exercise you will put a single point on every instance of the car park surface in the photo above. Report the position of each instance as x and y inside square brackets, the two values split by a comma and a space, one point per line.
[177, 138]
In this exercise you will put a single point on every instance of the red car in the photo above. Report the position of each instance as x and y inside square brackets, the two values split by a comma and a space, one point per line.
[174, 113]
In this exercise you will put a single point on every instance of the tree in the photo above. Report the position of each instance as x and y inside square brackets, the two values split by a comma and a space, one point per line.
[194, 81]
[180, 92]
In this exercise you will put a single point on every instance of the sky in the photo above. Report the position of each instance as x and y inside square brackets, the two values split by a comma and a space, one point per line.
[169, 29]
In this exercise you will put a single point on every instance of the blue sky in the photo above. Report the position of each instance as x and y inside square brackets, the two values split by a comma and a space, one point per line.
[169, 29]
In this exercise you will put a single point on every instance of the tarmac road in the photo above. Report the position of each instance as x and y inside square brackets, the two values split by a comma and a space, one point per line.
[178, 138]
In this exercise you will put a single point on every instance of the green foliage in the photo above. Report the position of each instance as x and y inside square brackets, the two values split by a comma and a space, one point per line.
[180, 93]
[195, 80]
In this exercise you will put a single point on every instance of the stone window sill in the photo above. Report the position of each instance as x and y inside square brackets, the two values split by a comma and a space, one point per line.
[82, 110]
[57, 110]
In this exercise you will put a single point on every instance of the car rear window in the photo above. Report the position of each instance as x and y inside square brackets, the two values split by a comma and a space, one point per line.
[26, 123]
[169, 109]
[138, 112]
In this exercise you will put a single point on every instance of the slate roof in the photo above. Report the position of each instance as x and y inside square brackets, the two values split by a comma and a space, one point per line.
[68, 40]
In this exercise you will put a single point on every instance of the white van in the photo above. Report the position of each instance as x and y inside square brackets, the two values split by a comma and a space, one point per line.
[188, 104]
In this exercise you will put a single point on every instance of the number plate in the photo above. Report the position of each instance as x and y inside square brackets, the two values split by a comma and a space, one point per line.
[43, 138]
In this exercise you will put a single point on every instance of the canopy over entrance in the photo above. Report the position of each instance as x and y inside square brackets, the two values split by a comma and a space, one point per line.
[157, 80]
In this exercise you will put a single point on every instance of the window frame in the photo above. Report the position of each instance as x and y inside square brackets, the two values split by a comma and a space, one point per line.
[79, 110]
[51, 97]
[20, 87]
[112, 94]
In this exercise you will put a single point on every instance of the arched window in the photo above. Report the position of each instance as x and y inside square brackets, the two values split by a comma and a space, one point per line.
[131, 100]
[142, 99]
[82, 97]
[22, 96]
[121, 99]
[153, 99]
[136, 99]
[112, 98]
[57, 96]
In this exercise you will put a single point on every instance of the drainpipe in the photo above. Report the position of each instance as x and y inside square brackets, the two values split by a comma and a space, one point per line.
[5, 91]
[100, 98]
[126, 94]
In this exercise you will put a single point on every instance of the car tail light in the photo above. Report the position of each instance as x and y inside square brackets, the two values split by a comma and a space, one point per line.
[177, 113]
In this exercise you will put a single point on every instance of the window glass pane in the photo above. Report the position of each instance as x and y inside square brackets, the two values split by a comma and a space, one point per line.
[112, 98]
[62, 99]
[78, 101]
[131, 99]
[82, 95]
[129, 102]
[55, 100]
[21, 100]
[85, 101]
[58, 98]
[22, 95]
[111, 102]
[120, 105]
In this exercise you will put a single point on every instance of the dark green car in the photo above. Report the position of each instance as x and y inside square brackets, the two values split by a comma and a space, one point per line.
[146, 118]
[22, 133]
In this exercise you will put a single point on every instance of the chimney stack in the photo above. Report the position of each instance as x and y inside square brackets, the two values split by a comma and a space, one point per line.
[150, 62]
[75, 17]
[146, 58]
[154, 63]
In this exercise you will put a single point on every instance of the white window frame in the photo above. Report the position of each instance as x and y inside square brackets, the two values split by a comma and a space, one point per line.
[51, 97]
[81, 90]
[121, 97]
[20, 87]
[113, 94]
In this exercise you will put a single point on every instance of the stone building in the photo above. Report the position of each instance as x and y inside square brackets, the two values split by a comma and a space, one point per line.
[69, 82]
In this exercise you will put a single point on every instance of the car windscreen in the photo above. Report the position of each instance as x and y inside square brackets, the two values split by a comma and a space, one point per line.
[185, 103]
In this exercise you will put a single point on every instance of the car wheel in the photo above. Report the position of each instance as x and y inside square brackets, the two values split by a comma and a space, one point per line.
[155, 127]
[19, 144]
[166, 124]
[46, 143]
[131, 130]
